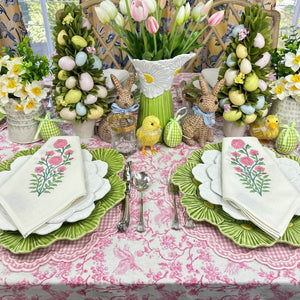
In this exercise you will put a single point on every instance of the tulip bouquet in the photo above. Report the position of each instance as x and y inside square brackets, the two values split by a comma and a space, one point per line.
[286, 63]
[146, 37]
[20, 78]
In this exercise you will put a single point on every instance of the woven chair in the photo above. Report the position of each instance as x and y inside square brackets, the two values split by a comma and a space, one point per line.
[215, 39]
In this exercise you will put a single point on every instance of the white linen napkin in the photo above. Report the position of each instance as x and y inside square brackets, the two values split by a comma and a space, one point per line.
[45, 185]
[253, 183]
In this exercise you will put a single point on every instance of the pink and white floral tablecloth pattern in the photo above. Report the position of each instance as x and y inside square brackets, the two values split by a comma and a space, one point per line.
[160, 263]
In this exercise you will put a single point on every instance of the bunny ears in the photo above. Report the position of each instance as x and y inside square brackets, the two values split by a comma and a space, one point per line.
[118, 84]
[215, 90]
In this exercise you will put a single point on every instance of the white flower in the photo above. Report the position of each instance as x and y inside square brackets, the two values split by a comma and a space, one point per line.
[102, 14]
[151, 6]
[3, 61]
[293, 80]
[292, 60]
[9, 83]
[4, 98]
[278, 89]
[35, 91]
[110, 8]
[21, 91]
[120, 20]
[14, 67]
[123, 7]
[29, 105]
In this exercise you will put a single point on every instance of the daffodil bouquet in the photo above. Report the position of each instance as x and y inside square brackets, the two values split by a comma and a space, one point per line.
[20, 76]
[146, 37]
[286, 64]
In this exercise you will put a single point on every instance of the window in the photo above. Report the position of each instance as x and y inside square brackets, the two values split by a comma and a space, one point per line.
[39, 18]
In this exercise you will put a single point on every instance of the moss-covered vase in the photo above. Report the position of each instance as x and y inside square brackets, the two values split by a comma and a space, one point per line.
[156, 79]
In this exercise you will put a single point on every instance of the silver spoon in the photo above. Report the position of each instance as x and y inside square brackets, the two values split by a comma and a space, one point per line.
[141, 181]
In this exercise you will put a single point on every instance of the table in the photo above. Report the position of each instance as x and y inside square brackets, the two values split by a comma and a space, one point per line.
[160, 263]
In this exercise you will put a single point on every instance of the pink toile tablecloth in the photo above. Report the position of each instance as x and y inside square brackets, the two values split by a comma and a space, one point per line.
[160, 263]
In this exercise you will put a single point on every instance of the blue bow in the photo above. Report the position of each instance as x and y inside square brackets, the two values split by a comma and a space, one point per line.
[116, 109]
[208, 121]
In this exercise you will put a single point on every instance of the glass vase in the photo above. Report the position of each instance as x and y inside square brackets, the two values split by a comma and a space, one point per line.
[23, 127]
[156, 79]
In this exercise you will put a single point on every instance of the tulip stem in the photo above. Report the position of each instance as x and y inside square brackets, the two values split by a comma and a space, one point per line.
[132, 27]
[155, 45]
[144, 36]
[190, 41]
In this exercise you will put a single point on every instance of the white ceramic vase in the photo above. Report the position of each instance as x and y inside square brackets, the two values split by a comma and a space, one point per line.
[84, 129]
[231, 129]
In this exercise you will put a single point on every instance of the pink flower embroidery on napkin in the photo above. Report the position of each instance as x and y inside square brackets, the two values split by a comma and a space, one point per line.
[50, 170]
[249, 167]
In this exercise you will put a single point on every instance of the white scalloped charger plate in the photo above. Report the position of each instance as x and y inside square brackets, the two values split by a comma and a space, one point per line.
[97, 188]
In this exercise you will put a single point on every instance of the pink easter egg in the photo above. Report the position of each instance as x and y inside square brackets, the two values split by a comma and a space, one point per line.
[66, 63]
[86, 82]
[86, 23]
[264, 60]
[262, 85]
[259, 41]
[90, 99]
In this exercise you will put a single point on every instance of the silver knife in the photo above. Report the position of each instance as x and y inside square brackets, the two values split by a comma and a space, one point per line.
[124, 222]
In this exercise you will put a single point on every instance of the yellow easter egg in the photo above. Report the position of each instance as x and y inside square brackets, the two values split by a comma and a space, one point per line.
[241, 51]
[236, 97]
[248, 119]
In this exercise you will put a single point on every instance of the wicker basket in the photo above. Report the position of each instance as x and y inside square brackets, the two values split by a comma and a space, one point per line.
[287, 110]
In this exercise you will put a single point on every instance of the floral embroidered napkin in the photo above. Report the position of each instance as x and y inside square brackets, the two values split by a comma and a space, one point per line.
[253, 183]
[45, 185]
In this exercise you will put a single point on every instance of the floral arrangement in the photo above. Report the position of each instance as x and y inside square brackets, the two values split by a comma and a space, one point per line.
[50, 170]
[21, 73]
[286, 64]
[243, 98]
[79, 85]
[249, 166]
[149, 40]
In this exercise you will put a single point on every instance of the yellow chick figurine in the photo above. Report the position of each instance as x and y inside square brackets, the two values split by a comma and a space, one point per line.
[148, 134]
[266, 131]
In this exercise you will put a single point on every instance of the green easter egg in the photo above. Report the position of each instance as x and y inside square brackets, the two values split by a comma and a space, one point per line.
[172, 134]
[49, 129]
[286, 141]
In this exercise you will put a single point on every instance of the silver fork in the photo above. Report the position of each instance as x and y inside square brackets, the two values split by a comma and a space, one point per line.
[174, 190]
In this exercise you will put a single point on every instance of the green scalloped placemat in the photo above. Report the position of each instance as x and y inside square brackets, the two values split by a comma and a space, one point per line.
[243, 233]
[14, 241]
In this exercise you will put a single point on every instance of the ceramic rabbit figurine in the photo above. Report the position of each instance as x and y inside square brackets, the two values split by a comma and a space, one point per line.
[198, 126]
[124, 103]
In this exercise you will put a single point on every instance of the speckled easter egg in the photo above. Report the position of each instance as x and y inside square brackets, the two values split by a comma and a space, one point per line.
[86, 81]
[248, 119]
[101, 91]
[80, 109]
[236, 97]
[95, 113]
[262, 85]
[264, 60]
[251, 82]
[229, 62]
[241, 51]
[81, 58]
[245, 66]
[232, 115]
[247, 109]
[237, 29]
[230, 76]
[172, 134]
[286, 141]
[68, 114]
[97, 63]
[86, 23]
[66, 63]
[260, 102]
[223, 101]
[90, 99]
[259, 41]
[71, 82]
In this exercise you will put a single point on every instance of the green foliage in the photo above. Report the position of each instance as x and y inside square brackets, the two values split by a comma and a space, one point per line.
[36, 66]
[291, 43]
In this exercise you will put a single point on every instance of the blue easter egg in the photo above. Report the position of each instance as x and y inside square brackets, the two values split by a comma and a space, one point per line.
[97, 64]
[229, 61]
[80, 109]
[260, 102]
[80, 58]
[223, 101]
[247, 109]
[237, 29]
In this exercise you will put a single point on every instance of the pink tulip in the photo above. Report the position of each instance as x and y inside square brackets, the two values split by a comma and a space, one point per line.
[152, 25]
[216, 18]
[162, 3]
[139, 10]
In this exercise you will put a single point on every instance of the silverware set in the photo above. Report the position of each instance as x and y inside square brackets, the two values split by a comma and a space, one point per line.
[141, 182]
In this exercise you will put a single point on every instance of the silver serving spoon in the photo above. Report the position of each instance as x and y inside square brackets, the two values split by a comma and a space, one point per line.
[141, 181]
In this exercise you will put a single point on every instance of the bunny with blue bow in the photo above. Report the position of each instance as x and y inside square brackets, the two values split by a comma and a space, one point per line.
[124, 104]
[197, 127]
